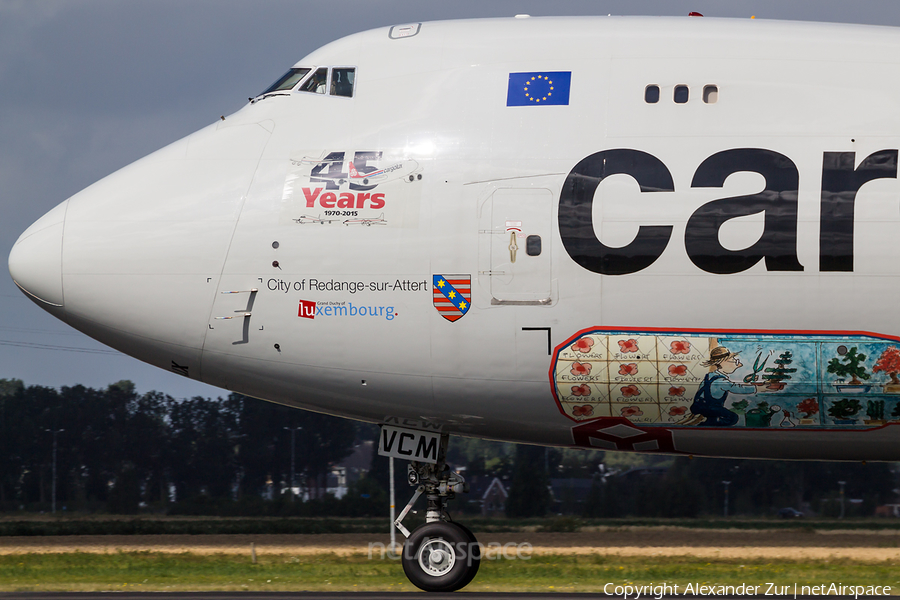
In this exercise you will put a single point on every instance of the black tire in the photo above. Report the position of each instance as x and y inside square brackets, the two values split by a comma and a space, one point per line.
[436, 557]
[475, 550]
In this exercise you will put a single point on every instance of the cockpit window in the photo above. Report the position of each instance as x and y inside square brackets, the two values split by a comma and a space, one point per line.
[316, 82]
[333, 81]
[342, 81]
[287, 81]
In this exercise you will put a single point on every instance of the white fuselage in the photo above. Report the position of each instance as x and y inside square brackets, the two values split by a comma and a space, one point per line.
[345, 318]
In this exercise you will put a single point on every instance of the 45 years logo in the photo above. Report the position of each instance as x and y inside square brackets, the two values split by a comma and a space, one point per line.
[348, 187]
[363, 170]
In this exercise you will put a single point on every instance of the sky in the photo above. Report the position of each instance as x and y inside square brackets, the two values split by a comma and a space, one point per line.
[89, 86]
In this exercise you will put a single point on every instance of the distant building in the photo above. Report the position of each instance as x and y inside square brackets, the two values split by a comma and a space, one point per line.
[349, 470]
[493, 499]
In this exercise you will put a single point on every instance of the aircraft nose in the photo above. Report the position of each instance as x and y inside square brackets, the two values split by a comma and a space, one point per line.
[35, 262]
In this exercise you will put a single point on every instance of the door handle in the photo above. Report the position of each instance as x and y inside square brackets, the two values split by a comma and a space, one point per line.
[513, 247]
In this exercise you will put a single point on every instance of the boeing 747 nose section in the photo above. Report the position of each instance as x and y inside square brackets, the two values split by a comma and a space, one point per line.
[35, 261]
[134, 260]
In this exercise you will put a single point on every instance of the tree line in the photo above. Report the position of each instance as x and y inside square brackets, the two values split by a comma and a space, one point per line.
[120, 451]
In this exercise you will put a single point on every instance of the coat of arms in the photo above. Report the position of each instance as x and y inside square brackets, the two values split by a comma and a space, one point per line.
[452, 295]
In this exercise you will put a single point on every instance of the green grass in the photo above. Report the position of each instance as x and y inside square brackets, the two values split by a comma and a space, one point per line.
[153, 571]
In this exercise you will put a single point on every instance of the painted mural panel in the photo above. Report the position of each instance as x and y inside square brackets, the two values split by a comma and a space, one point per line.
[729, 379]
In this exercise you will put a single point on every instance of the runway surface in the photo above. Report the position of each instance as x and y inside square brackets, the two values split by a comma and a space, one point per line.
[341, 595]
[285, 595]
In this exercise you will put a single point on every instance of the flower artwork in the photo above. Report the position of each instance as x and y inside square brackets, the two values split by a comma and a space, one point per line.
[809, 407]
[631, 411]
[585, 410]
[629, 346]
[629, 391]
[581, 369]
[678, 370]
[628, 369]
[583, 345]
[680, 347]
[740, 379]
[889, 363]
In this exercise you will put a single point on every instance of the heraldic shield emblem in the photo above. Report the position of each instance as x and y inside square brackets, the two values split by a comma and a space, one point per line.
[452, 295]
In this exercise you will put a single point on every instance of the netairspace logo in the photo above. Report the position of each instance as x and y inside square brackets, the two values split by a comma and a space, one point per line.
[464, 551]
[659, 591]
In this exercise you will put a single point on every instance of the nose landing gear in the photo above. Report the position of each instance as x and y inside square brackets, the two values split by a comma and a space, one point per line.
[439, 556]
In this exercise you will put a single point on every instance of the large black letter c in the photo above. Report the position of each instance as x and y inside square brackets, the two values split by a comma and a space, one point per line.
[576, 226]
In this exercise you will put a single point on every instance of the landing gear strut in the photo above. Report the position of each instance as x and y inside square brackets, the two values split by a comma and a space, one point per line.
[439, 556]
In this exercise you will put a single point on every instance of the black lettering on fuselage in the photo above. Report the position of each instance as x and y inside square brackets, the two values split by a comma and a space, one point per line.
[840, 183]
[778, 200]
[576, 224]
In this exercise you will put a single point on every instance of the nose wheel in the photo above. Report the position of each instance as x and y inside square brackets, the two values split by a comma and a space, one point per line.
[440, 556]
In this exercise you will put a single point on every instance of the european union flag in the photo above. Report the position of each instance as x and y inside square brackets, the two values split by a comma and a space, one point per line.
[539, 89]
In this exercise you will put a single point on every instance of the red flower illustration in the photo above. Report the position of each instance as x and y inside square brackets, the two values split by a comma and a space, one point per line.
[629, 369]
[680, 347]
[677, 370]
[628, 346]
[581, 390]
[632, 411]
[585, 410]
[581, 368]
[808, 407]
[676, 391]
[630, 390]
[583, 345]
[677, 411]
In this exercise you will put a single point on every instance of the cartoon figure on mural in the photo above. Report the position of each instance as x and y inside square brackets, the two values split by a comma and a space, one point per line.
[709, 402]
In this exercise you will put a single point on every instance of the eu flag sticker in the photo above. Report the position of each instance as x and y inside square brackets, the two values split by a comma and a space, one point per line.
[539, 89]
